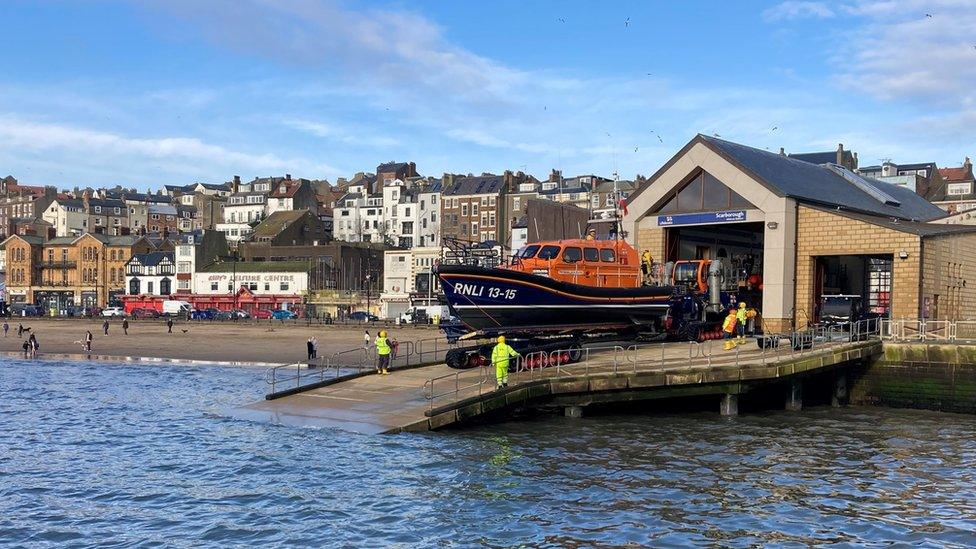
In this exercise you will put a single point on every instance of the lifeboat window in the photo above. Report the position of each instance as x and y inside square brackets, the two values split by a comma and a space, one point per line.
[606, 254]
[548, 252]
[529, 251]
[686, 273]
[572, 255]
[591, 254]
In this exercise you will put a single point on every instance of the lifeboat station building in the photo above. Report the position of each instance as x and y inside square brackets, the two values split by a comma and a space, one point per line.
[800, 230]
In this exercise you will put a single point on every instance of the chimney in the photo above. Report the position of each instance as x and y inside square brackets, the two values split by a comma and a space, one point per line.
[782, 151]
[237, 183]
[968, 164]
[287, 177]
[509, 180]
[840, 154]
[554, 176]
[855, 161]
[413, 170]
[85, 199]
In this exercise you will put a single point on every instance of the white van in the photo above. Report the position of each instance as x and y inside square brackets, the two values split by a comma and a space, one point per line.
[409, 316]
[172, 307]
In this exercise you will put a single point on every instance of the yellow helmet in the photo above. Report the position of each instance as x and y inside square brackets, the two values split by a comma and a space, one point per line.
[742, 304]
[382, 333]
[501, 339]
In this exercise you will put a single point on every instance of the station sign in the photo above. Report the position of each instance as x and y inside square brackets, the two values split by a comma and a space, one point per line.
[701, 218]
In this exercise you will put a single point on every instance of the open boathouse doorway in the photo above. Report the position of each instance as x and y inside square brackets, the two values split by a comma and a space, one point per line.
[868, 276]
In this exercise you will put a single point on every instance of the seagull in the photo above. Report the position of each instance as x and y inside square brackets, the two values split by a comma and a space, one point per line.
[929, 15]
[659, 139]
[649, 74]
[561, 20]
[185, 331]
[635, 149]
[627, 22]
[608, 134]
[774, 128]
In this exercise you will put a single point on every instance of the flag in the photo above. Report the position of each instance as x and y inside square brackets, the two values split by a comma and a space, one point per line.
[623, 205]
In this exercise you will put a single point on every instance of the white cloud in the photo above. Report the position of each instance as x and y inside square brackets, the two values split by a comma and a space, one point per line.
[19, 135]
[333, 133]
[902, 53]
[794, 9]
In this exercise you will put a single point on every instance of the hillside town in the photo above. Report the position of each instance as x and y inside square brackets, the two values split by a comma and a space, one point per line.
[366, 244]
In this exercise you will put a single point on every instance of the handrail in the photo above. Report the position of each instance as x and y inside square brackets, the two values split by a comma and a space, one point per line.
[923, 329]
[637, 358]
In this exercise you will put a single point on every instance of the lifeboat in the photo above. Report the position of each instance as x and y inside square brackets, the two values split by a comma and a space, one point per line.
[563, 285]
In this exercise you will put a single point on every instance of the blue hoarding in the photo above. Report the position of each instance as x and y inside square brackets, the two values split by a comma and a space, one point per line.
[700, 218]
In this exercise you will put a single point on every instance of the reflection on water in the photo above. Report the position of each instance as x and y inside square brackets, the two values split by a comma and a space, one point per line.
[128, 454]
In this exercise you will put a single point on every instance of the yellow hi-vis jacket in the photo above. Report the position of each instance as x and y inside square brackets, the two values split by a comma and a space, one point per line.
[741, 315]
[729, 324]
[382, 346]
[500, 354]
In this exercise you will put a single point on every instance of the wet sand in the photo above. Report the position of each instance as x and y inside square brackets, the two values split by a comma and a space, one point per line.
[255, 341]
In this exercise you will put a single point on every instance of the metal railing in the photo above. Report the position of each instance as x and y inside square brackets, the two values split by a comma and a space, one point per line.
[616, 359]
[928, 330]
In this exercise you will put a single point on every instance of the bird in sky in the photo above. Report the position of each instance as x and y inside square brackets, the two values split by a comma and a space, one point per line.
[774, 128]
[608, 134]
[635, 149]
[627, 22]
[649, 74]
[929, 15]
[561, 20]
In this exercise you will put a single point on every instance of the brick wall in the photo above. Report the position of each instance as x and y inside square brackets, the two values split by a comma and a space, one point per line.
[652, 239]
[824, 233]
[948, 264]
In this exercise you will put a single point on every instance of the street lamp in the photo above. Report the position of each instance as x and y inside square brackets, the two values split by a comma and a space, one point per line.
[367, 295]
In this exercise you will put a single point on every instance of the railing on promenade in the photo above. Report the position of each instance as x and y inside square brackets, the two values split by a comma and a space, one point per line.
[449, 389]
[915, 329]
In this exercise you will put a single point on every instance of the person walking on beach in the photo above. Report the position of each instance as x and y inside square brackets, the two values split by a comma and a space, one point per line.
[382, 353]
[6, 327]
[366, 340]
[20, 330]
[26, 347]
[125, 326]
[315, 348]
[34, 345]
[169, 325]
[105, 326]
[88, 340]
[309, 347]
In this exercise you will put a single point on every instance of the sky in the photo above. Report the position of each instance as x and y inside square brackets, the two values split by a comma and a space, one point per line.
[144, 93]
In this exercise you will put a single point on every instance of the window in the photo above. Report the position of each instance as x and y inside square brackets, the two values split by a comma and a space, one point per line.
[213, 286]
[484, 200]
[959, 189]
[284, 286]
[516, 203]
[267, 286]
[491, 200]
[407, 211]
[491, 219]
[98, 209]
[474, 229]
[134, 286]
[528, 251]
[149, 287]
[703, 193]
[165, 287]
[464, 209]
[549, 252]
[155, 216]
[591, 254]
[474, 208]
[607, 255]
[572, 254]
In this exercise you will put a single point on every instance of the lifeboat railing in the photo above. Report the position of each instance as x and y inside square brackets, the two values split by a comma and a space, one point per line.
[653, 357]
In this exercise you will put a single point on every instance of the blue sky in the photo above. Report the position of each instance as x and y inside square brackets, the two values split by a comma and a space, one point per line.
[152, 92]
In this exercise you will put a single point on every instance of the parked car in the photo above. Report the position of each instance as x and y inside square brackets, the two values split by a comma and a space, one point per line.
[24, 309]
[93, 311]
[144, 313]
[223, 315]
[113, 311]
[262, 313]
[202, 314]
[282, 314]
[362, 316]
[241, 313]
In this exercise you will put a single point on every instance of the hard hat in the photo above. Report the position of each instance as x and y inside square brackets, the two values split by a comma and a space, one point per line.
[382, 333]
[501, 339]
[742, 304]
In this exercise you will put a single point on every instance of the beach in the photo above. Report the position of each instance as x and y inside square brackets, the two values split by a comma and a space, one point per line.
[259, 341]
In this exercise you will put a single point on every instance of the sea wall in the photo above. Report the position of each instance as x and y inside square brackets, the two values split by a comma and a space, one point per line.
[938, 377]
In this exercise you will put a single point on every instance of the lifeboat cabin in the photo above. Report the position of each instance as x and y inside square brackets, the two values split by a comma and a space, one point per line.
[597, 263]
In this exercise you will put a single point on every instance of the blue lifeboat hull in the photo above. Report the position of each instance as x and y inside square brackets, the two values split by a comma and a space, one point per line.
[497, 300]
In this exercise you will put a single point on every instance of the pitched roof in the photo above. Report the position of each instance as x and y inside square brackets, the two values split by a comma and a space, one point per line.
[911, 227]
[277, 222]
[826, 185]
[482, 184]
[152, 259]
[390, 167]
[827, 157]
[286, 189]
[953, 175]
[162, 209]
[31, 239]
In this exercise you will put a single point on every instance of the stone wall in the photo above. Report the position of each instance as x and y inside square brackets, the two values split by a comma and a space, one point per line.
[925, 376]
[820, 233]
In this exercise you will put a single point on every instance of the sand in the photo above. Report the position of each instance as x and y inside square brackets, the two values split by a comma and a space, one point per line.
[254, 341]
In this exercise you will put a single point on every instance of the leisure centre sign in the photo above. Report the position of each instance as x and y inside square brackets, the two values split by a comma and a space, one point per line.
[701, 218]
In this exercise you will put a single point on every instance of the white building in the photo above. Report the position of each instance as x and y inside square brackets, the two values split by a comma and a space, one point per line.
[409, 279]
[151, 274]
[235, 232]
[260, 278]
[404, 214]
